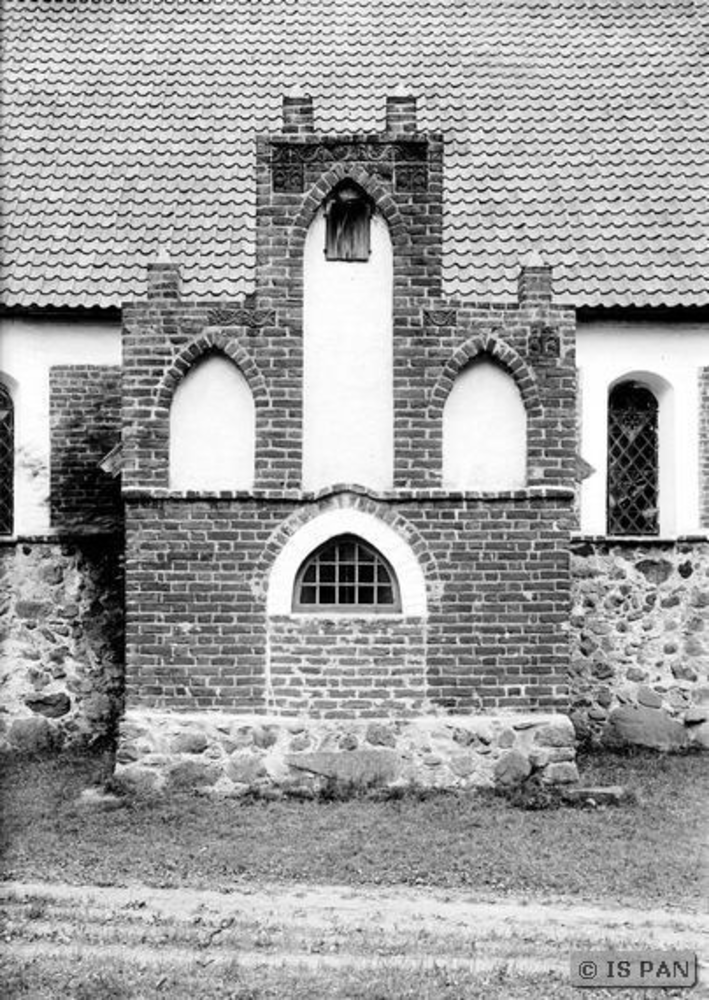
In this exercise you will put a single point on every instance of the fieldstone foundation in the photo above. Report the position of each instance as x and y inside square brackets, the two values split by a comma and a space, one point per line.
[61, 662]
[227, 755]
[640, 643]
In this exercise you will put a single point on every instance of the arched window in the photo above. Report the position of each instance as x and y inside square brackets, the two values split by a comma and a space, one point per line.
[345, 575]
[633, 460]
[212, 428]
[348, 212]
[484, 431]
[7, 461]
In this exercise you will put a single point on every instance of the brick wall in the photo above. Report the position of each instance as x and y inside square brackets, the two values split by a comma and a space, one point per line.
[495, 635]
[496, 565]
[704, 447]
[85, 411]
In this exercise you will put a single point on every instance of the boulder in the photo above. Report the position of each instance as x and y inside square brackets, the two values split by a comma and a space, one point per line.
[512, 768]
[189, 742]
[245, 769]
[649, 698]
[636, 725]
[365, 767]
[191, 774]
[51, 705]
[380, 735]
[563, 773]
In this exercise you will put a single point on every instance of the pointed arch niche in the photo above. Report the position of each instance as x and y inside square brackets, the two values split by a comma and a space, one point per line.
[484, 430]
[212, 428]
[348, 425]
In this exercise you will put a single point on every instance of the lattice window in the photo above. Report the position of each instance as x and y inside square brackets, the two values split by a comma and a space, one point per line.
[348, 213]
[7, 461]
[345, 574]
[633, 468]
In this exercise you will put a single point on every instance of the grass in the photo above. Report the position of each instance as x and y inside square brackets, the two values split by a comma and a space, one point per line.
[83, 977]
[644, 852]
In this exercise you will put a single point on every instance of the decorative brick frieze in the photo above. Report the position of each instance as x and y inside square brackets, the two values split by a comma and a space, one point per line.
[85, 421]
[251, 318]
[544, 343]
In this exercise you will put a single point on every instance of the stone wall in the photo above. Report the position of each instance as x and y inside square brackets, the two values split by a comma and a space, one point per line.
[227, 755]
[62, 647]
[640, 642]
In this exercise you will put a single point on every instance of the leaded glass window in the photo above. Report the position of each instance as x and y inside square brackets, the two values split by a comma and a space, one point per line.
[348, 212]
[7, 461]
[345, 574]
[633, 467]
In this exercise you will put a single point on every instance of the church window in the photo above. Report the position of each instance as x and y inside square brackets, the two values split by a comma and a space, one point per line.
[348, 213]
[633, 466]
[346, 575]
[7, 461]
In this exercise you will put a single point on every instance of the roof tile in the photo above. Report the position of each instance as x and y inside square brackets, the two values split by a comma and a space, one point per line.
[574, 126]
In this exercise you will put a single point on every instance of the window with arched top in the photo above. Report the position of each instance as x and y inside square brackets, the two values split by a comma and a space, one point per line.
[348, 212]
[346, 575]
[212, 428]
[484, 430]
[633, 460]
[7, 461]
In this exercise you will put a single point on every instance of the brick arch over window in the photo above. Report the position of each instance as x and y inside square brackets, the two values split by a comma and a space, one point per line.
[496, 350]
[210, 341]
[313, 201]
[399, 528]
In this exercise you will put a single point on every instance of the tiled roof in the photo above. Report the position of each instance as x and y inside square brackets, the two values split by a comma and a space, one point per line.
[576, 127]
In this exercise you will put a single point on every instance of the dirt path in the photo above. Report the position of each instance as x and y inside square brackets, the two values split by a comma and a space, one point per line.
[332, 925]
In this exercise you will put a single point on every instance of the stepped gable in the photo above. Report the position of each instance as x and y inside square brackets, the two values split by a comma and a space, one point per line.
[575, 126]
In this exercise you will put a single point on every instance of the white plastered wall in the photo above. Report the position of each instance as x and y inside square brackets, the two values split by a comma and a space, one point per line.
[484, 431]
[344, 520]
[348, 424]
[29, 347]
[667, 359]
[212, 428]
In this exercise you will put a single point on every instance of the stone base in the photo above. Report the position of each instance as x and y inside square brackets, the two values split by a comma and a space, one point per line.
[229, 755]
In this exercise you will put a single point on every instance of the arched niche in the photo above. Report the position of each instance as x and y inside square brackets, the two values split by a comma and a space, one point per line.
[348, 426]
[484, 430]
[212, 428]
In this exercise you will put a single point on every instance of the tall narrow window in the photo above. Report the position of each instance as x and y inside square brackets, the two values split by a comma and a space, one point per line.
[633, 466]
[346, 575]
[348, 212]
[7, 461]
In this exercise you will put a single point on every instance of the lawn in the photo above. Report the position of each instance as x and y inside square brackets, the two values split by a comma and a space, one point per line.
[647, 851]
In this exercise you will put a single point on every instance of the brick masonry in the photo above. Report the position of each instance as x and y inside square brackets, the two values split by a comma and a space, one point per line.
[85, 408]
[495, 637]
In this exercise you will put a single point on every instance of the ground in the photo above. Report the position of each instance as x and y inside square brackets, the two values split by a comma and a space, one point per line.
[172, 920]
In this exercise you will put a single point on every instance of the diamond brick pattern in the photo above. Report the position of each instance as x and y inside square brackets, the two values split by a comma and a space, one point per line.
[574, 127]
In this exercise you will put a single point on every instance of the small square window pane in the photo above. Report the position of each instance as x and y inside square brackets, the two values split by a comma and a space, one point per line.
[366, 595]
[385, 595]
[327, 572]
[382, 574]
[347, 595]
[346, 551]
[308, 595]
[347, 573]
[366, 573]
[311, 574]
[328, 595]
